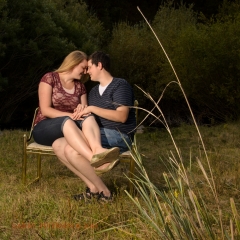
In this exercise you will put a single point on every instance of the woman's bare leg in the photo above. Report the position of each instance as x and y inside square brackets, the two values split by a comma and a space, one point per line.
[86, 146]
[76, 139]
[79, 165]
[91, 131]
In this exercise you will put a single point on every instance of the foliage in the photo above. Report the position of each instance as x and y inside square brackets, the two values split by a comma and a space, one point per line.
[123, 10]
[126, 10]
[145, 65]
[204, 53]
[133, 46]
[36, 36]
[209, 67]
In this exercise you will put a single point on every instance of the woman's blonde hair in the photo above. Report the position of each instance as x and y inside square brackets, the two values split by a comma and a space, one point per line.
[71, 60]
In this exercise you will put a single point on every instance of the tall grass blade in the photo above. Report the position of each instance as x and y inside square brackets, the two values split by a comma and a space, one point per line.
[194, 120]
[236, 215]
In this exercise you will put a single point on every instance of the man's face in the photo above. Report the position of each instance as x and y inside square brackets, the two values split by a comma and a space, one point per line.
[93, 71]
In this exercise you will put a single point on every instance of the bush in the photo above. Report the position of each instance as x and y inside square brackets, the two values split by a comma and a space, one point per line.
[203, 52]
[38, 35]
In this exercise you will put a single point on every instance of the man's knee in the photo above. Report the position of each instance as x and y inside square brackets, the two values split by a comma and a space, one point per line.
[88, 120]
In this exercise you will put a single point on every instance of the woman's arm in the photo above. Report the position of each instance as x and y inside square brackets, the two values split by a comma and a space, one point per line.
[83, 100]
[45, 102]
[78, 111]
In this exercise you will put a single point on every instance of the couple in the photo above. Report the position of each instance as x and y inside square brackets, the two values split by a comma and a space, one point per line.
[87, 136]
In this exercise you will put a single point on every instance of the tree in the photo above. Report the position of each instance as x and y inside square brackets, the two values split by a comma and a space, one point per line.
[37, 35]
[204, 54]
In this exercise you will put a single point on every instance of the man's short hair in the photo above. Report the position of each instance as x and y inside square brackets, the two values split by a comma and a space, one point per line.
[101, 57]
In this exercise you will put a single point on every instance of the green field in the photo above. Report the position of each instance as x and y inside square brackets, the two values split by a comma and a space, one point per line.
[45, 210]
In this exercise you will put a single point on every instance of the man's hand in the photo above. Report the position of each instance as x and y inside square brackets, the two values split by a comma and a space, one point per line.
[78, 112]
[86, 110]
[79, 108]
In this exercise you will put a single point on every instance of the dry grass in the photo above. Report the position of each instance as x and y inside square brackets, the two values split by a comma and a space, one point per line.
[46, 210]
[188, 205]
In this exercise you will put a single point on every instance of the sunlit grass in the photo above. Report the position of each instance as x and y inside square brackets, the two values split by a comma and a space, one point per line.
[41, 210]
[184, 205]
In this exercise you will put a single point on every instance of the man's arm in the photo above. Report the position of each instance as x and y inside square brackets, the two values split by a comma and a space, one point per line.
[118, 115]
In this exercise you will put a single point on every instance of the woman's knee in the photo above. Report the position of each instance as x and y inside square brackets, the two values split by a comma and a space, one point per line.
[69, 152]
[55, 144]
[57, 148]
[68, 122]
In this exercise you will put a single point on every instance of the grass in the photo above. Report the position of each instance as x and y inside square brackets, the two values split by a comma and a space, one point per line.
[191, 196]
[192, 204]
[45, 210]
[222, 145]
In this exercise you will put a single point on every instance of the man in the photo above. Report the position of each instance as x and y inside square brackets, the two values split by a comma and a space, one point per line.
[109, 101]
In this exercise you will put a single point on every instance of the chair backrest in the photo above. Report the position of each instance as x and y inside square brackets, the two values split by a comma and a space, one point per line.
[136, 110]
[35, 114]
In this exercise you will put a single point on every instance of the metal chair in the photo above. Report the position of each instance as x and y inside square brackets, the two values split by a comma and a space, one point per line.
[30, 147]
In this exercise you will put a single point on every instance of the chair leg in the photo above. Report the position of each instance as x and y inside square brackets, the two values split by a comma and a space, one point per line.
[39, 165]
[131, 173]
[24, 160]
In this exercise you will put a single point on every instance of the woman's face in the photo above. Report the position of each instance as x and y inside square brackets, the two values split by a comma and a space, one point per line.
[80, 69]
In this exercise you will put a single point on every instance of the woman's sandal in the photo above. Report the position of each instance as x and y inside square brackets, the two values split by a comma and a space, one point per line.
[108, 156]
[108, 168]
[86, 196]
[104, 199]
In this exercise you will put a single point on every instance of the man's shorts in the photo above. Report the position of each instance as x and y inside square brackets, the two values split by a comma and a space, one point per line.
[113, 138]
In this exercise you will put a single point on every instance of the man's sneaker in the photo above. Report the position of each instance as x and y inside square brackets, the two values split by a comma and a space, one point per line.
[104, 199]
[86, 196]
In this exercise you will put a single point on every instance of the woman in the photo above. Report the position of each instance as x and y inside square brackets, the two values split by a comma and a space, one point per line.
[62, 97]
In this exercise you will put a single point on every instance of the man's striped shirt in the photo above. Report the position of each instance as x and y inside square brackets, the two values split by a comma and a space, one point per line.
[118, 93]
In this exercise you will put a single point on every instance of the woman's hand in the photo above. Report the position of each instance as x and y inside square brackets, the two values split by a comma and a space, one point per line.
[79, 112]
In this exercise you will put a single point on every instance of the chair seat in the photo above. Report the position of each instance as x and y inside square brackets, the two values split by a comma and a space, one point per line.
[35, 147]
[125, 154]
[39, 146]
